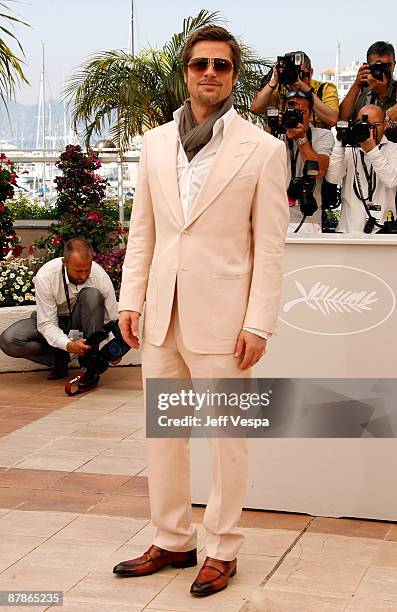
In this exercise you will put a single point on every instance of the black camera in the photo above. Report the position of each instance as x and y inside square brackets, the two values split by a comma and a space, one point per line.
[290, 118]
[302, 188]
[353, 133]
[97, 360]
[289, 68]
[378, 69]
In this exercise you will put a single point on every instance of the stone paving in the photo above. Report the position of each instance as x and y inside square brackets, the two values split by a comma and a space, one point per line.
[74, 501]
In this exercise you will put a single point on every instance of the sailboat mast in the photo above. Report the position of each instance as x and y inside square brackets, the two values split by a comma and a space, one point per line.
[43, 126]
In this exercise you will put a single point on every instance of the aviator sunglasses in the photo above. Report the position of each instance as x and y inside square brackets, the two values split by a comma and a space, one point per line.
[199, 65]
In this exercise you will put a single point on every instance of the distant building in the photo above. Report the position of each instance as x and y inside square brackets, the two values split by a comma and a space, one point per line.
[346, 77]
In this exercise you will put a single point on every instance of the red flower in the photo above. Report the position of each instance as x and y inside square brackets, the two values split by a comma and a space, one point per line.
[121, 231]
[56, 240]
[31, 249]
[17, 250]
[2, 208]
[94, 216]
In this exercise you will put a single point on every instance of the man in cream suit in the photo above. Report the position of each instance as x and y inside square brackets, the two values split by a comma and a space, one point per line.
[205, 253]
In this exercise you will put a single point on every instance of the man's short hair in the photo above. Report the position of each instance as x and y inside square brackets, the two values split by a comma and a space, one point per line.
[216, 33]
[380, 47]
[80, 246]
[306, 59]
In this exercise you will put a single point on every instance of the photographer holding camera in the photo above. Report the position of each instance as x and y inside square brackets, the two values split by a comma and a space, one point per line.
[293, 72]
[367, 162]
[74, 297]
[374, 84]
[305, 144]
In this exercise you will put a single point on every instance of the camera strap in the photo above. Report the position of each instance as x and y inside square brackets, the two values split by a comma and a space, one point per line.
[65, 286]
[370, 177]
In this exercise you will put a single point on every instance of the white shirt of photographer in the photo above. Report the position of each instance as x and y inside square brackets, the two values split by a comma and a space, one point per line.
[322, 143]
[192, 175]
[51, 299]
[341, 166]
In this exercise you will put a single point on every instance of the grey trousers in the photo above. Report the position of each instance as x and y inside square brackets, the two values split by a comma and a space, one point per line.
[23, 340]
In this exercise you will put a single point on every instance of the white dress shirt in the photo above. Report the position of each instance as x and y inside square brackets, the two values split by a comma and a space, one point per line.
[51, 299]
[341, 166]
[191, 176]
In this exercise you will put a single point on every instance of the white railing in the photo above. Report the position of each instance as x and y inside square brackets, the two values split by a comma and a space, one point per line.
[47, 159]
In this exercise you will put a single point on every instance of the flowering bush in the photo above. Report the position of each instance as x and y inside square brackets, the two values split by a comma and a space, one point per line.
[16, 283]
[9, 243]
[82, 210]
[112, 263]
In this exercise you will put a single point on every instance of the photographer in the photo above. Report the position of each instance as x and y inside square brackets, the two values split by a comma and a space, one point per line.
[74, 298]
[305, 143]
[374, 84]
[368, 167]
[293, 72]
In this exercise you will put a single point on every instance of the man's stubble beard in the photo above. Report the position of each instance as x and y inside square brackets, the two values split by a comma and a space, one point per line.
[209, 99]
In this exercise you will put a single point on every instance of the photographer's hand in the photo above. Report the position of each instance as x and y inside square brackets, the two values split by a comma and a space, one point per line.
[298, 132]
[381, 88]
[362, 76]
[369, 144]
[78, 347]
[129, 327]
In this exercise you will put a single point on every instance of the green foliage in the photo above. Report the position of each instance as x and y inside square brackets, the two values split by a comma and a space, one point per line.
[82, 210]
[9, 243]
[11, 71]
[135, 93]
[22, 207]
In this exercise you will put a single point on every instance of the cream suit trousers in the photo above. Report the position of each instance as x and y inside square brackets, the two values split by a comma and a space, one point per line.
[169, 461]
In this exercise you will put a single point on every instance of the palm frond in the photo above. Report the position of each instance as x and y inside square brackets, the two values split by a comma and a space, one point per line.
[126, 95]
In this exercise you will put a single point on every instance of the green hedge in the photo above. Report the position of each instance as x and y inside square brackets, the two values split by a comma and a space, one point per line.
[23, 208]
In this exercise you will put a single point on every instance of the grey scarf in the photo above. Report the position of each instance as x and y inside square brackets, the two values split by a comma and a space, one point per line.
[195, 136]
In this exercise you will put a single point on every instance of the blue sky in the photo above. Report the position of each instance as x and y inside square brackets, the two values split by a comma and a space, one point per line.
[72, 30]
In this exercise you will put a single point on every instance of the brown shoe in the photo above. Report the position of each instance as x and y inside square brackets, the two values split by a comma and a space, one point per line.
[213, 576]
[153, 560]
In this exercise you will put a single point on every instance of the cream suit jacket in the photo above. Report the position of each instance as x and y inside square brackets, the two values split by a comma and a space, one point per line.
[227, 258]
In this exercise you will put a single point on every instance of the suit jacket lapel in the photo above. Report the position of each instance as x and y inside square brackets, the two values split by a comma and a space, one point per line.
[233, 151]
[167, 160]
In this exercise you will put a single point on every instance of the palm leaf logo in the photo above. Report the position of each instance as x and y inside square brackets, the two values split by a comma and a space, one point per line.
[323, 298]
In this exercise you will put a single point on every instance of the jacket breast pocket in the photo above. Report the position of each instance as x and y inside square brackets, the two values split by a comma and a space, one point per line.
[151, 300]
[229, 299]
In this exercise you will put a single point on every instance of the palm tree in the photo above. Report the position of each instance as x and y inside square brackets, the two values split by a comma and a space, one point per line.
[135, 93]
[10, 65]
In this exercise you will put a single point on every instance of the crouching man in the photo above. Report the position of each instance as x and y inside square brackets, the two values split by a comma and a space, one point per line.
[74, 298]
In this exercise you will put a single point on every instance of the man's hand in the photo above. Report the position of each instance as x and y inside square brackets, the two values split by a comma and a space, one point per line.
[300, 85]
[362, 76]
[274, 80]
[298, 132]
[78, 347]
[381, 88]
[129, 327]
[369, 144]
[249, 348]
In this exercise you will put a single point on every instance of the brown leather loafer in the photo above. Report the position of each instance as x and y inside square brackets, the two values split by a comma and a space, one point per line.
[153, 560]
[213, 576]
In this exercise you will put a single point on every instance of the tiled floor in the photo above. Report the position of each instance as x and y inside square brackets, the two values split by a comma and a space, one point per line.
[74, 501]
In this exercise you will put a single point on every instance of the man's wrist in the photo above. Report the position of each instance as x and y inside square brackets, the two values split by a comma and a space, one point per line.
[272, 84]
[301, 141]
[368, 145]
